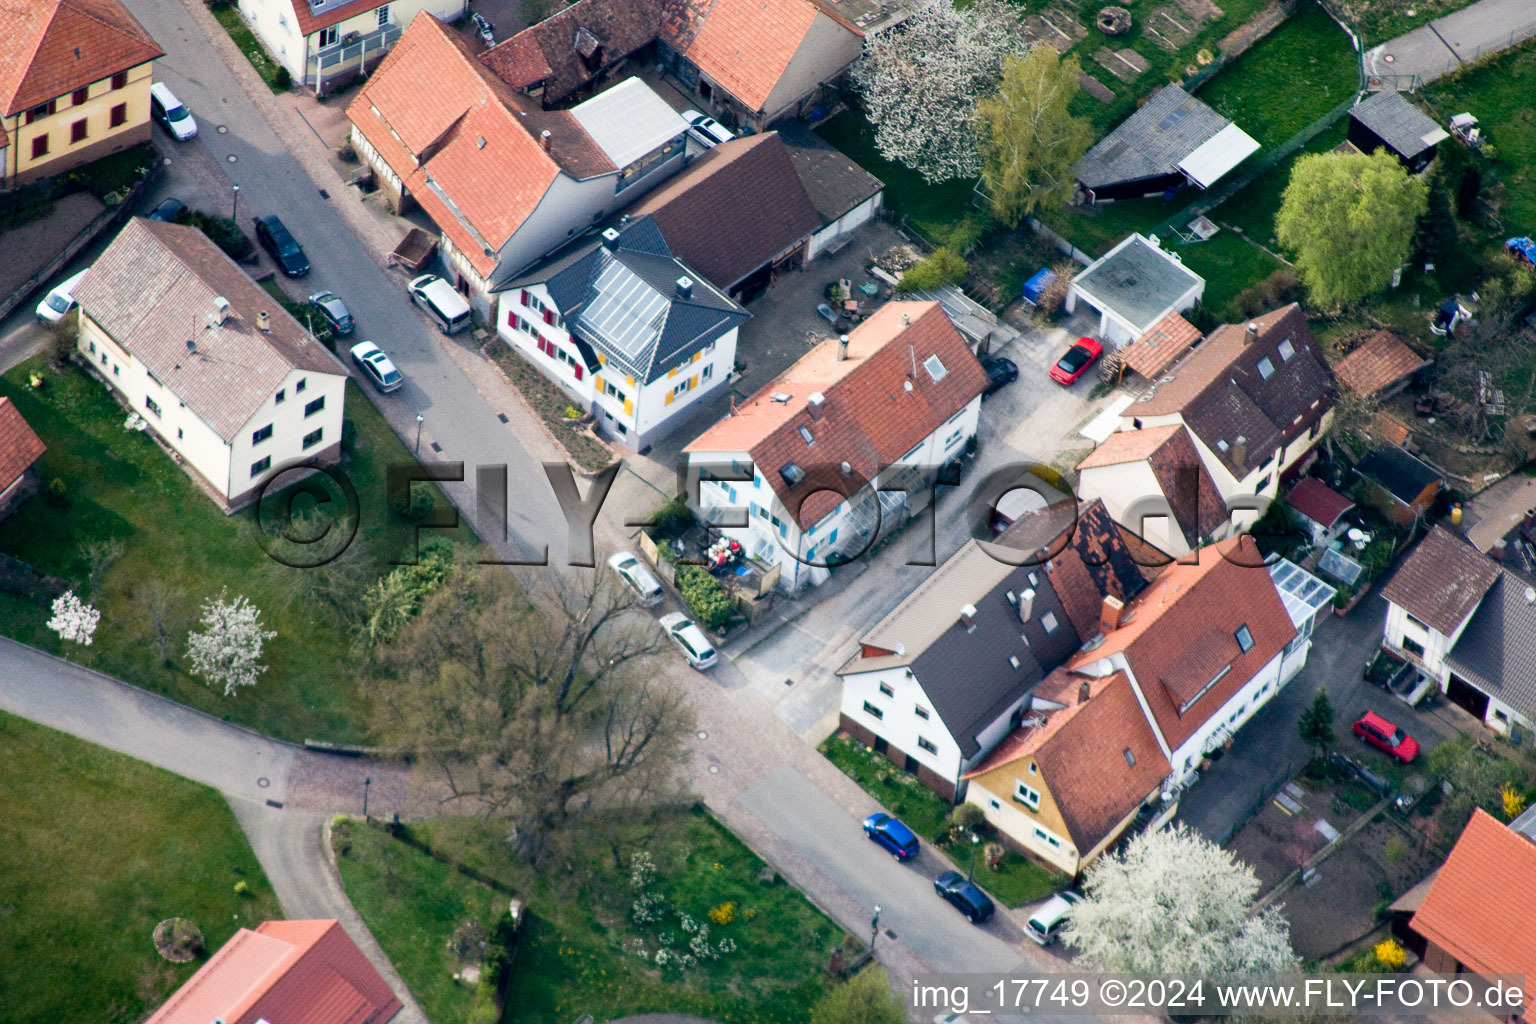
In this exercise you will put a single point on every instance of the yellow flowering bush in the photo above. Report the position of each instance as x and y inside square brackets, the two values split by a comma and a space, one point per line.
[724, 914]
[1390, 955]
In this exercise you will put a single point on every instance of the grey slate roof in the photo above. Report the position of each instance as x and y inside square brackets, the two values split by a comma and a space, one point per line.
[623, 302]
[1170, 126]
[1441, 581]
[153, 290]
[834, 182]
[1497, 652]
[1404, 476]
[1397, 122]
[1136, 281]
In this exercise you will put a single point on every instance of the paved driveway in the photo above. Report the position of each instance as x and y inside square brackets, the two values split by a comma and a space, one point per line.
[1448, 43]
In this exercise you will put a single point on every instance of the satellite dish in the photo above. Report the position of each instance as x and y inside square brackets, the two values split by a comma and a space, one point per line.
[191, 347]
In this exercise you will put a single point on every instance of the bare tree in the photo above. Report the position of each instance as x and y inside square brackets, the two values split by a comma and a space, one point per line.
[535, 699]
[99, 557]
[161, 616]
[1493, 353]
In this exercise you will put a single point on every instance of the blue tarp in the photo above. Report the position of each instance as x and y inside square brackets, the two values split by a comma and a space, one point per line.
[1035, 286]
[1524, 246]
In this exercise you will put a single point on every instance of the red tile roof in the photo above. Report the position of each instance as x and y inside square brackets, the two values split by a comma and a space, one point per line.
[1168, 339]
[19, 444]
[1381, 361]
[296, 972]
[1179, 632]
[551, 51]
[1129, 446]
[1080, 751]
[481, 146]
[1441, 581]
[869, 418]
[744, 45]
[1483, 901]
[1197, 504]
[53, 47]
[1318, 502]
[309, 22]
[690, 209]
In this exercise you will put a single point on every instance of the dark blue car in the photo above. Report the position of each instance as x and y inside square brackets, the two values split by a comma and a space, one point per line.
[965, 896]
[891, 834]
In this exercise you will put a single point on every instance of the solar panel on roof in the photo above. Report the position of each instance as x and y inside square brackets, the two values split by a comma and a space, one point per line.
[625, 312]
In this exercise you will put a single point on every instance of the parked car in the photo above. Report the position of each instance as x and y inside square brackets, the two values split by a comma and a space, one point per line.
[890, 833]
[445, 307]
[334, 312]
[708, 132]
[286, 252]
[1386, 737]
[1046, 923]
[167, 210]
[57, 303]
[1076, 361]
[173, 116]
[689, 639]
[377, 367]
[1000, 372]
[964, 896]
[636, 577]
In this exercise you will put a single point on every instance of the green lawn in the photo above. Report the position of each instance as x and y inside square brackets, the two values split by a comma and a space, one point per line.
[1289, 79]
[95, 849]
[1254, 207]
[122, 488]
[577, 951]
[1501, 94]
[1018, 881]
[929, 207]
[271, 71]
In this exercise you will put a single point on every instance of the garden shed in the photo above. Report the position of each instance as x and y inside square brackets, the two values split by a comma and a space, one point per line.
[1386, 119]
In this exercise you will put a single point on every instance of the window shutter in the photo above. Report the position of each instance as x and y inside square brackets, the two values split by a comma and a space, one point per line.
[630, 380]
[525, 296]
[693, 382]
[696, 356]
[669, 398]
[549, 317]
[577, 368]
[629, 407]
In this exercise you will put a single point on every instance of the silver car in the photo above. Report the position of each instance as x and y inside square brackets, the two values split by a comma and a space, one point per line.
[690, 640]
[636, 578]
[377, 367]
[334, 312]
[705, 130]
[1044, 924]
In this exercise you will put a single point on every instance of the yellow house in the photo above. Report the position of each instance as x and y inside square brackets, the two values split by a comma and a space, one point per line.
[1075, 774]
[74, 85]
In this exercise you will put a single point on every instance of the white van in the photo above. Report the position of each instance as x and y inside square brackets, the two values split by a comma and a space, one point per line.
[445, 306]
[57, 303]
[171, 113]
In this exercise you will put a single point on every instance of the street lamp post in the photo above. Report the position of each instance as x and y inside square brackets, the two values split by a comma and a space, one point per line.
[970, 876]
[366, 784]
[874, 927]
[419, 420]
[234, 212]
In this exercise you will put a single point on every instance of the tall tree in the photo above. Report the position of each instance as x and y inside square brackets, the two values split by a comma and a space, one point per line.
[1316, 722]
[1029, 140]
[536, 699]
[1173, 902]
[920, 79]
[1350, 220]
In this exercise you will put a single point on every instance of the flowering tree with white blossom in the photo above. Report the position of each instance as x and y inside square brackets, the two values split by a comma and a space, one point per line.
[228, 650]
[920, 80]
[1173, 902]
[73, 619]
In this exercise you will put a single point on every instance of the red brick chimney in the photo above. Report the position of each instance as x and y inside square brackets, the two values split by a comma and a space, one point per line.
[1110, 614]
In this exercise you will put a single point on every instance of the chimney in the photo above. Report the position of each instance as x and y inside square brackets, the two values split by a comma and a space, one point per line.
[1082, 692]
[813, 405]
[1026, 605]
[685, 287]
[544, 139]
[220, 309]
[264, 322]
[1240, 452]
[610, 239]
[906, 321]
[1253, 333]
[842, 347]
[847, 468]
[1110, 613]
[968, 617]
[1497, 551]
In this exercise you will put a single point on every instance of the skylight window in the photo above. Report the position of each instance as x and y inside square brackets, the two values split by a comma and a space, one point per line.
[935, 368]
[1244, 638]
[1287, 350]
[1048, 622]
[791, 473]
[1130, 758]
[1266, 368]
[805, 432]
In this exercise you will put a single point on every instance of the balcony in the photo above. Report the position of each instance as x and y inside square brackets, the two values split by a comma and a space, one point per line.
[351, 51]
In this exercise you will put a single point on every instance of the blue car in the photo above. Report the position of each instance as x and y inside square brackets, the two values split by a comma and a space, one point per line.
[891, 834]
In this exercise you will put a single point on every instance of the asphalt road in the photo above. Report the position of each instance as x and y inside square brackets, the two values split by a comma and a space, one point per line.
[1447, 43]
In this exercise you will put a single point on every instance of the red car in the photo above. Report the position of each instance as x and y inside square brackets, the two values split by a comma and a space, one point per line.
[1385, 736]
[1077, 360]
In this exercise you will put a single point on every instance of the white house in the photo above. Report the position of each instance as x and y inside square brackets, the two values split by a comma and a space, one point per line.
[843, 444]
[1468, 623]
[845, 195]
[944, 677]
[1218, 431]
[325, 44]
[632, 333]
[224, 376]
[505, 182]
[1134, 286]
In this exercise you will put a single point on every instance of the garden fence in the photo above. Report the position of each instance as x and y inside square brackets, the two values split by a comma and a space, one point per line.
[1265, 796]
